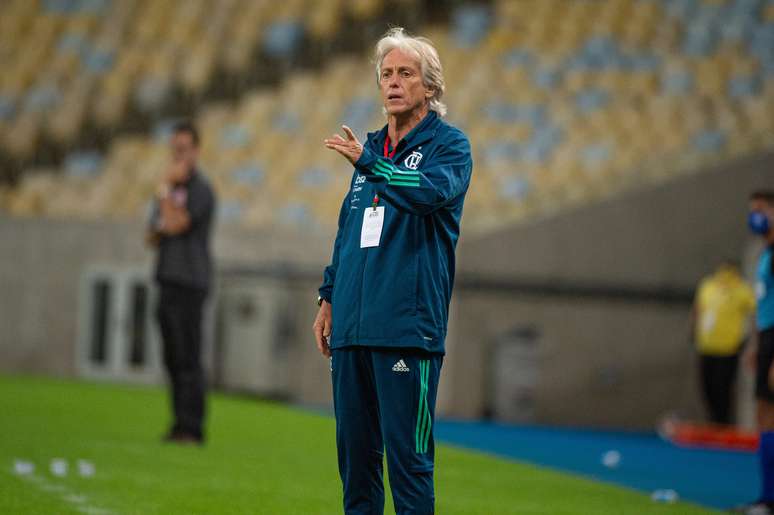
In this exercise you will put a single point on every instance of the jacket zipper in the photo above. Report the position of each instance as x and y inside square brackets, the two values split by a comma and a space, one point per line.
[362, 294]
[362, 282]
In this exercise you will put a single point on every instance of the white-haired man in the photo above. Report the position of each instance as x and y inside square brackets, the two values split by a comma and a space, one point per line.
[384, 301]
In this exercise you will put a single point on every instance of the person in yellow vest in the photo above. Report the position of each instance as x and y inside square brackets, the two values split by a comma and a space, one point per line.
[720, 319]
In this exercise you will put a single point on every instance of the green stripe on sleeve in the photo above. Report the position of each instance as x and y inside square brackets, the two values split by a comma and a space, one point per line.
[384, 168]
[403, 182]
[381, 174]
[406, 172]
[384, 162]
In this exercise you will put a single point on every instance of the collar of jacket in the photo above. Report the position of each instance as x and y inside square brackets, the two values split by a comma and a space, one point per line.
[424, 131]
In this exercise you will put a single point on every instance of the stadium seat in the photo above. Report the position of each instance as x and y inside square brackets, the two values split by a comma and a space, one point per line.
[560, 110]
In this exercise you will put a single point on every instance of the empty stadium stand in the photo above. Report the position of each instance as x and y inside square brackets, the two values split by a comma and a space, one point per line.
[565, 101]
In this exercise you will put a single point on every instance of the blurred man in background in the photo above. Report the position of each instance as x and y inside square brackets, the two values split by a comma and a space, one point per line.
[180, 228]
[761, 355]
[719, 322]
[384, 302]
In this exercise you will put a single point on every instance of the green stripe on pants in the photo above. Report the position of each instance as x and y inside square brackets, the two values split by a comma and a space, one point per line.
[423, 414]
[427, 409]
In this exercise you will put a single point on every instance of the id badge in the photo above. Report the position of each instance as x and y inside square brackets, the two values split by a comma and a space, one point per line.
[373, 221]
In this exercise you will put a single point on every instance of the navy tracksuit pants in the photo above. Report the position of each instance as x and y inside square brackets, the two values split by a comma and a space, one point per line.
[385, 398]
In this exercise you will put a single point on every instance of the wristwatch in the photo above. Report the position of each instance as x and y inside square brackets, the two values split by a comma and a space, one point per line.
[319, 300]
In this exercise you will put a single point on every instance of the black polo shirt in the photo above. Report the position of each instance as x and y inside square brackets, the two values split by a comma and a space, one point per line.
[184, 259]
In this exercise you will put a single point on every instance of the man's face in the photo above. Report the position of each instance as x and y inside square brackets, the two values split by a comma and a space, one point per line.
[761, 206]
[401, 83]
[184, 152]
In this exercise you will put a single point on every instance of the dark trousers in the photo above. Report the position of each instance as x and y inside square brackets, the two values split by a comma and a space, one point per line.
[180, 318]
[385, 398]
[718, 375]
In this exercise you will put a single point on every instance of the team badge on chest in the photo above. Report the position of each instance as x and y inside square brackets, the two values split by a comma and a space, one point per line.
[412, 161]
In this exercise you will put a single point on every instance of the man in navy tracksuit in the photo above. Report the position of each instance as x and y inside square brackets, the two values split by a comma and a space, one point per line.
[384, 301]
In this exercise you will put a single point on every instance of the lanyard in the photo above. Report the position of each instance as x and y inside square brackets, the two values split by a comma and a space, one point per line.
[387, 152]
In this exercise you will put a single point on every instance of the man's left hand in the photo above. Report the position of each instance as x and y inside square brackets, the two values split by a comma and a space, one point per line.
[350, 147]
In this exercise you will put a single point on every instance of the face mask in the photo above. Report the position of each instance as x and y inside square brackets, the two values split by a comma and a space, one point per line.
[758, 223]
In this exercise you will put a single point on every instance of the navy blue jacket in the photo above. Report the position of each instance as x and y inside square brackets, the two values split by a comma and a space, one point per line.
[397, 294]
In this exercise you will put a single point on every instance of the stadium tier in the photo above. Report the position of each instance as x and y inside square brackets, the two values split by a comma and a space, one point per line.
[72, 63]
[565, 101]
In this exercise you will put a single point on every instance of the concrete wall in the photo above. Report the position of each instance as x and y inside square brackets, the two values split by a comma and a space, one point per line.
[41, 262]
[606, 358]
[600, 363]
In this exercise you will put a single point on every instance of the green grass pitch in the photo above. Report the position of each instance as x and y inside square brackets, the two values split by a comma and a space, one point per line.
[261, 458]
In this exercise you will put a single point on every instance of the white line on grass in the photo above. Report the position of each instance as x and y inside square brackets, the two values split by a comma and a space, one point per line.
[26, 471]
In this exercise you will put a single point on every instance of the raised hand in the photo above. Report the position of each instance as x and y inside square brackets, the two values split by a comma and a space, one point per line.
[348, 147]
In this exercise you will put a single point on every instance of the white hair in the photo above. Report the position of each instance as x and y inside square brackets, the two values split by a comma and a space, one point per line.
[426, 54]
